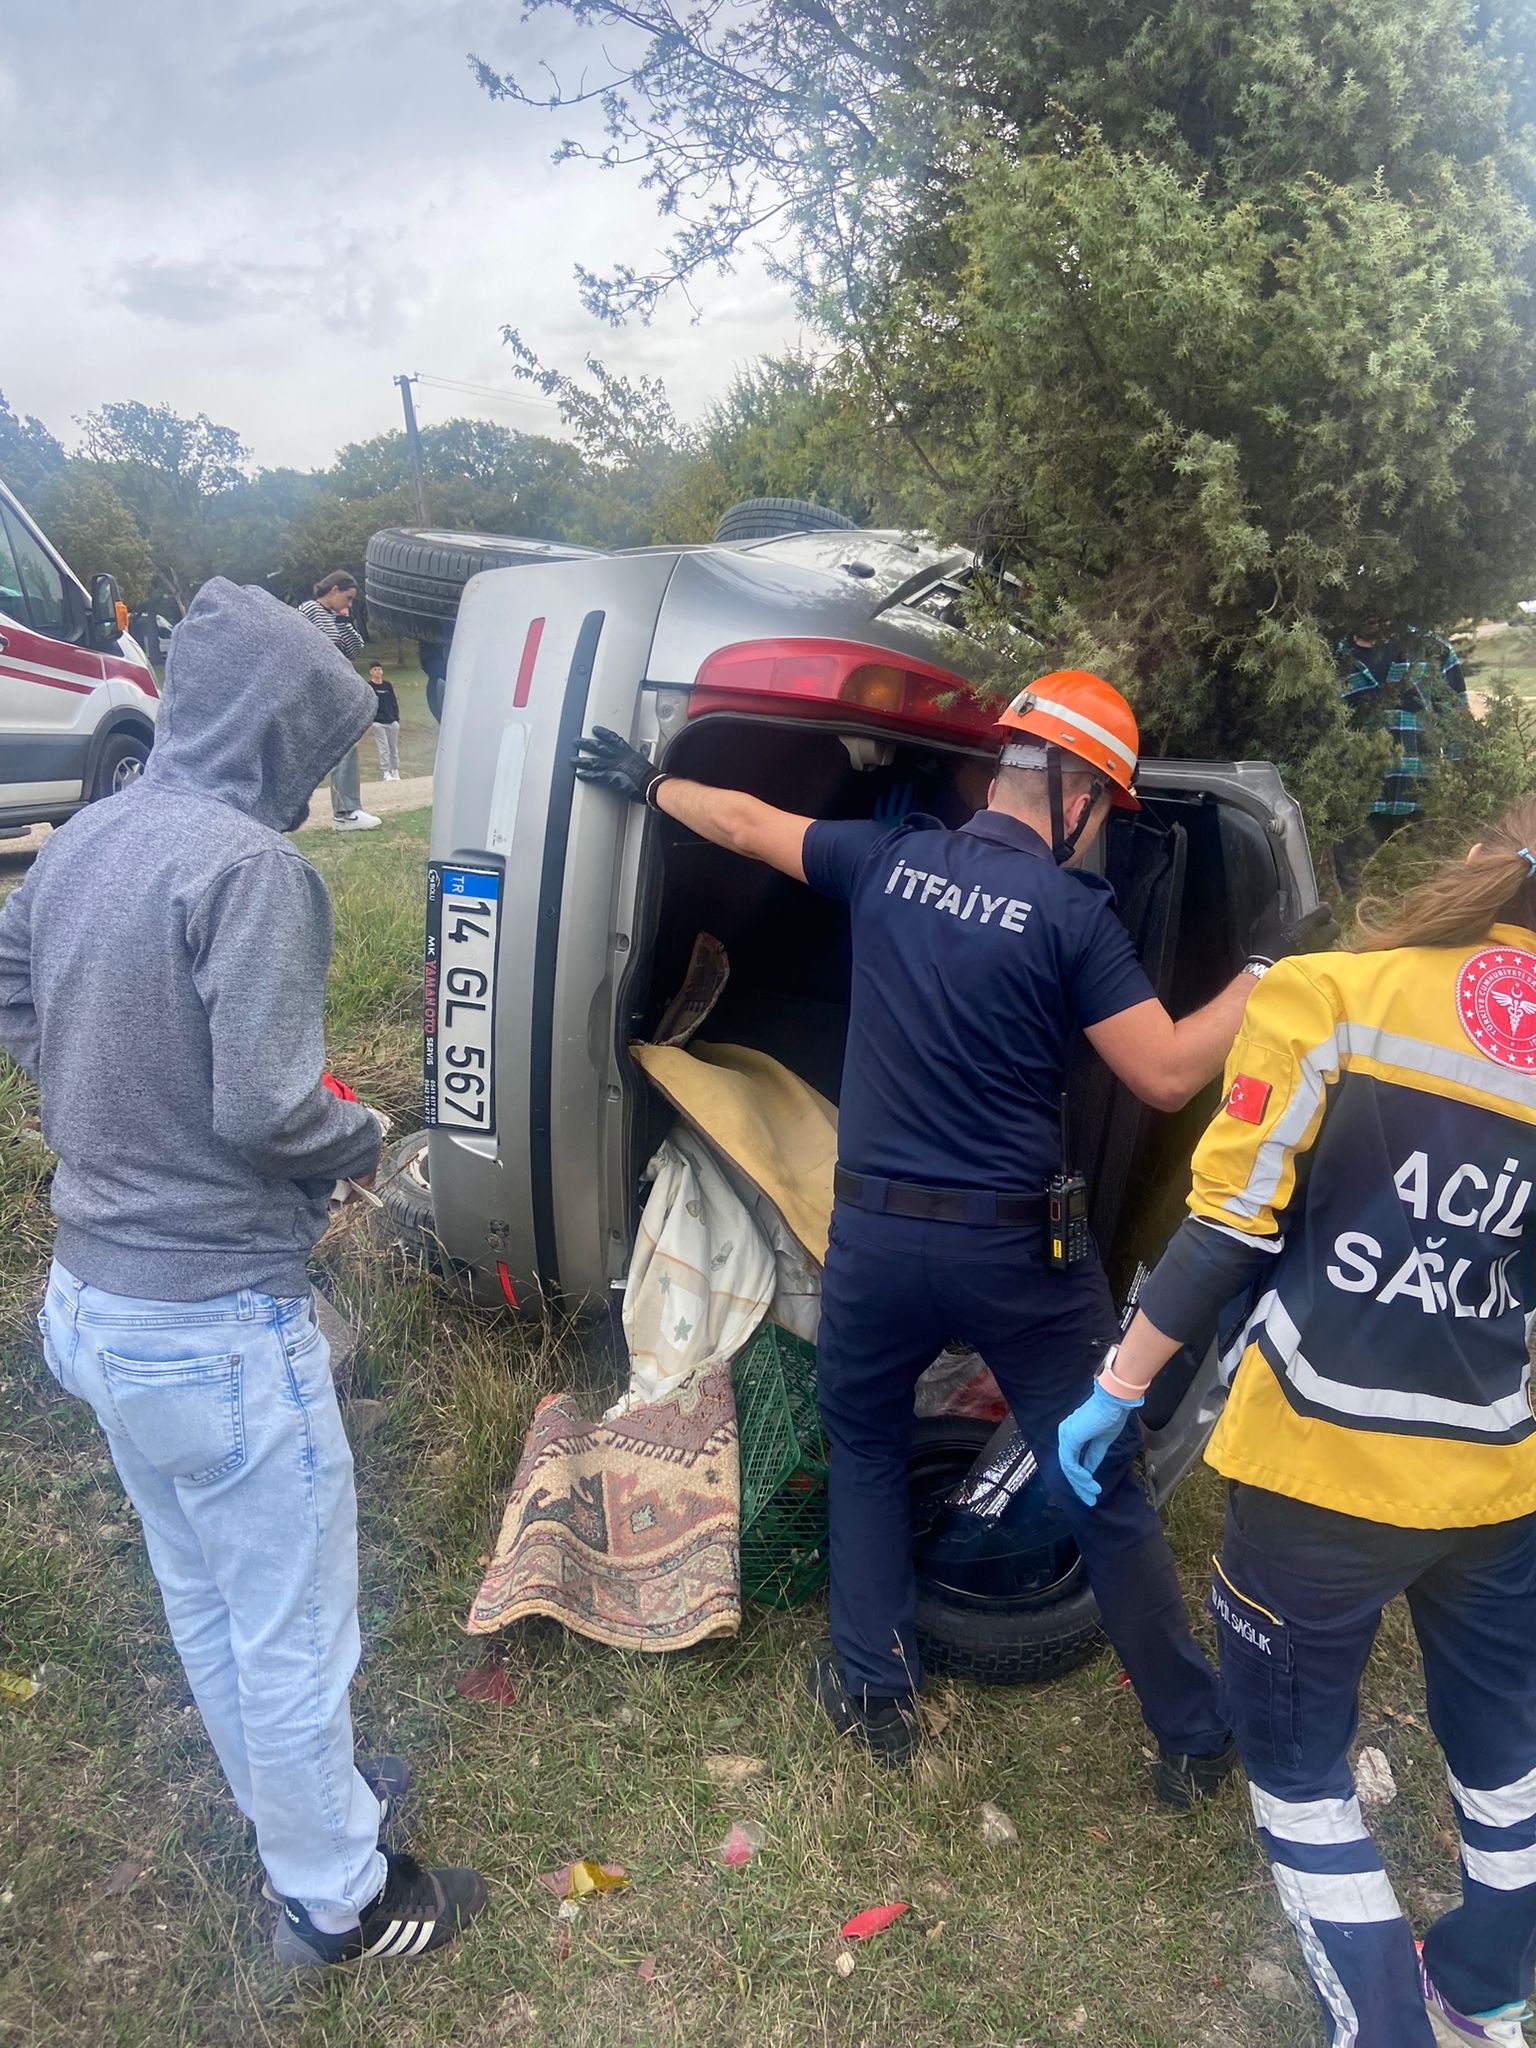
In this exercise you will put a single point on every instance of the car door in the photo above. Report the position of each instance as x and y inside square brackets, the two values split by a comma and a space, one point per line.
[47, 674]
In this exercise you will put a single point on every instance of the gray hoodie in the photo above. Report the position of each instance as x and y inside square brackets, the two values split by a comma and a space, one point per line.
[162, 976]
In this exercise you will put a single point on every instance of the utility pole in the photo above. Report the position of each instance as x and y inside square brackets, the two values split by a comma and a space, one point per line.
[413, 440]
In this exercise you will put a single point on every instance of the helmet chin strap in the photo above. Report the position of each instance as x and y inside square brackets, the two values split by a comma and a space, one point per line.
[1064, 843]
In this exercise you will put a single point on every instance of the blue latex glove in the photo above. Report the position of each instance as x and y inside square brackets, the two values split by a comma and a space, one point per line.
[1085, 1435]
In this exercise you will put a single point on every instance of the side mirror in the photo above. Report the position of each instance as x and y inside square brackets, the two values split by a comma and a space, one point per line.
[104, 604]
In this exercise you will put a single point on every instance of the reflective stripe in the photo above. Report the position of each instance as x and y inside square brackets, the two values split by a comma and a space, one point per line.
[1438, 1063]
[1344, 2019]
[1502, 1870]
[1105, 738]
[1347, 1042]
[1347, 1898]
[1273, 1155]
[1384, 1404]
[1504, 1806]
[1313, 1821]
[1272, 1245]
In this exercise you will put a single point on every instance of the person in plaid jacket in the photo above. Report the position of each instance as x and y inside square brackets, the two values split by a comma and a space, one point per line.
[1394, 683]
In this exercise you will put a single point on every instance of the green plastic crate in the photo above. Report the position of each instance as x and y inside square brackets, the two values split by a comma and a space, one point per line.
[783, 1470]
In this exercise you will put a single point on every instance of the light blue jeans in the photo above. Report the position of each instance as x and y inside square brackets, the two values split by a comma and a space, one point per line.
[223, 1425]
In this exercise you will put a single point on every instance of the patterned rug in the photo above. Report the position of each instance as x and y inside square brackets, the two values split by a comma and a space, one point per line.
[626, 1531]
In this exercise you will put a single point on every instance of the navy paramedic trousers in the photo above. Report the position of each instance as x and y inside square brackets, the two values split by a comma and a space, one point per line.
[894, 1293]
[1297, 1597]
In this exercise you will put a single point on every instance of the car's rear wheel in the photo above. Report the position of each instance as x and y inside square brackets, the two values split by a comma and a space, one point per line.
[767, 518]
[405, 1189]
[1040, 1630]
[414, 580]
[121, 763]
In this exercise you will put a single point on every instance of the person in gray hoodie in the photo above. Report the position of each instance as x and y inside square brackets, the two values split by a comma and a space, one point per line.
[162, 979]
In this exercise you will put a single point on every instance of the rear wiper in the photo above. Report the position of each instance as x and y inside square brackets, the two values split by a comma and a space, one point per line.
[953, 570]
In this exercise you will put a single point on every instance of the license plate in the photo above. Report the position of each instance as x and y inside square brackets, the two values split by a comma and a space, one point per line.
[459, 1019]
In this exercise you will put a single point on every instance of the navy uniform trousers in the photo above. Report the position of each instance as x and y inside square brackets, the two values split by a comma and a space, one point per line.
[1297, 1597]
[894, 1293]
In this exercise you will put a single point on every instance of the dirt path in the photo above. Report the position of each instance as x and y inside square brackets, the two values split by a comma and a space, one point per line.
[382, 798]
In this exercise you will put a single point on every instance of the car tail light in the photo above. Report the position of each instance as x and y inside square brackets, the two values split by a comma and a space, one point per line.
[828, 677]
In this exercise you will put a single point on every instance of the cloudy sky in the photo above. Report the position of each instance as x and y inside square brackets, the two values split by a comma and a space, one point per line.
[263, 211]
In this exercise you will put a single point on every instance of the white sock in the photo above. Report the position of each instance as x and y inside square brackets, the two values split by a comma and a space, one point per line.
[333, 1923]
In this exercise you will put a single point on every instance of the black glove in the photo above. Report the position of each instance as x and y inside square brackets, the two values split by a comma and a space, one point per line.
[1275, 936]
[612, 763]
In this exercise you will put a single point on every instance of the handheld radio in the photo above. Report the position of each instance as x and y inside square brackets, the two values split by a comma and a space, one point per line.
[1068, 1241]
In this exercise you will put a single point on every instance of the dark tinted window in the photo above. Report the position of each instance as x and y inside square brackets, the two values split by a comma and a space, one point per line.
[41, 583]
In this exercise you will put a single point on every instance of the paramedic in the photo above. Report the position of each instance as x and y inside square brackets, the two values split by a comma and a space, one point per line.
[1365, 1194]
[977, 956]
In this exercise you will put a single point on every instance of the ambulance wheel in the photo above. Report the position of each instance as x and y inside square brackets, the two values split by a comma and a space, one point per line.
[768, 518]
[992, 1639]
[406, 1192]
[121, 763]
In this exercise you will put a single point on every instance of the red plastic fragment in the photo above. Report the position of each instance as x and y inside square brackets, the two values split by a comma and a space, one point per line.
[737, 1852]
[874, 1920]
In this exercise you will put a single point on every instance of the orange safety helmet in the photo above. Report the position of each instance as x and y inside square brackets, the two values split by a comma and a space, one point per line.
[1085, 716]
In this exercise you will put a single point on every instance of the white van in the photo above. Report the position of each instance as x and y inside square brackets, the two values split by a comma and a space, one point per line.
[77, 696]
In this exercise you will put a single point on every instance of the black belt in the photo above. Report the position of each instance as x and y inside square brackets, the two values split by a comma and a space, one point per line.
[977, 1206]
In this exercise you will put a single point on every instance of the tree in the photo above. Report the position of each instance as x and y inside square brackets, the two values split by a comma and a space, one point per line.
[171, 470]
[1211, 322]
[29, 454]
[748, 122]
[95, 531]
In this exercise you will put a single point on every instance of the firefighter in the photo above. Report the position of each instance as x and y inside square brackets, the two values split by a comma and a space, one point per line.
[978, 955]
[1366, 1192]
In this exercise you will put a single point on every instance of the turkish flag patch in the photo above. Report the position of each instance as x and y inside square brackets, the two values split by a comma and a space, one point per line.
[1248, 1100]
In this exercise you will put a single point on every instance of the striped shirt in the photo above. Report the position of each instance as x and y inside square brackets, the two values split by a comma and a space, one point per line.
[340, 632]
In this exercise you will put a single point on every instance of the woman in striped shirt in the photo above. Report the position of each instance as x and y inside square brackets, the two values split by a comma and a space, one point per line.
[330, 609]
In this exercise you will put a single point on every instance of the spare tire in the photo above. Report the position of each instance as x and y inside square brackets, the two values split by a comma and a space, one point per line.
[414, 577]
[405, 1189]
[767, 518]
[1025, 1637]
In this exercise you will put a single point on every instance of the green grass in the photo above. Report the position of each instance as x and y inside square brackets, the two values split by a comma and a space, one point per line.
[1147, 1923]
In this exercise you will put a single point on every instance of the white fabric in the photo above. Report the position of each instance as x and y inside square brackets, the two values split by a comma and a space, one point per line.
[796, 1304]
[701, 1278]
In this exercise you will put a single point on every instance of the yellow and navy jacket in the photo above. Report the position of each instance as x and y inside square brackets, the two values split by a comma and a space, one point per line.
[1368, 1186]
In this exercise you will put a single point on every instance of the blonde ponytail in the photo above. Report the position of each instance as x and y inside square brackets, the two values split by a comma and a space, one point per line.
[1461, 901]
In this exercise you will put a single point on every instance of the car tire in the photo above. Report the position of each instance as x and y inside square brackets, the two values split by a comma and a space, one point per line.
[413, 580]
[120, 763]
[1027, 1640]
[767, 518]
[406, 1192]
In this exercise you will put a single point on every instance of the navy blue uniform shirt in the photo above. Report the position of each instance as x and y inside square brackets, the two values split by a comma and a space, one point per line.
[976, 960]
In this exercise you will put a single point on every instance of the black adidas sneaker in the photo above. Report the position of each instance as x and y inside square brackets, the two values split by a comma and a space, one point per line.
[888, 1727]
[417, 1911]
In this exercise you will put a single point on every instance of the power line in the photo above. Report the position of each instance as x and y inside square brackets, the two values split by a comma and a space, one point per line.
[501, 393]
